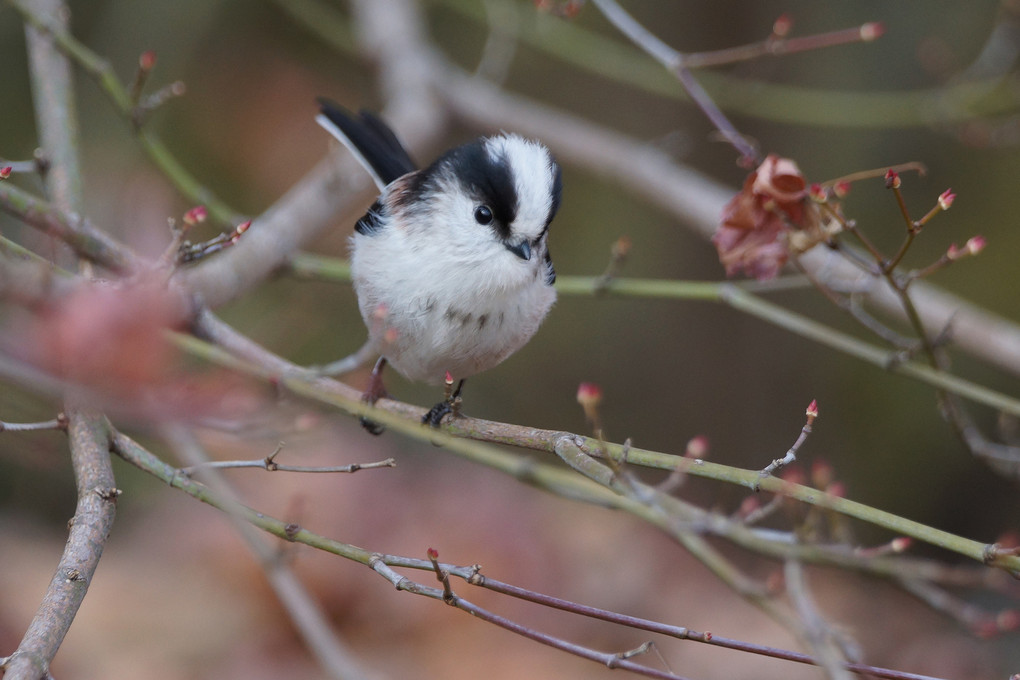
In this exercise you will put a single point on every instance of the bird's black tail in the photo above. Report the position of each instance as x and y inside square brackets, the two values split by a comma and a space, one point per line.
[370, 140]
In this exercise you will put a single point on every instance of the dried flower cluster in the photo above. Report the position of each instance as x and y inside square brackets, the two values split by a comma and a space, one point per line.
[772, 217]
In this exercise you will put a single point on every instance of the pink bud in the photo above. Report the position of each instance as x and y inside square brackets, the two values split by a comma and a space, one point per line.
[901, 544]
[946, 199]
[589, 393]
[697, 447]
[5, 172]
[621, 247]
[975, 245]
[433, 554]
[238, 231]
[589, 396]
[954, 253]
[147, 61]
[841, 188]
[872, 31]
[892, 179]
[782, 26]
[196, 215]
[812, 409]
[448, 379]
[818, 193]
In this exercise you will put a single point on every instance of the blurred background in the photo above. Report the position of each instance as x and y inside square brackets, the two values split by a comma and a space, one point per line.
[177, 597]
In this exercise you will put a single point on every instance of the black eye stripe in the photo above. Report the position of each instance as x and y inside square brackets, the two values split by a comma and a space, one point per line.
[488, 180]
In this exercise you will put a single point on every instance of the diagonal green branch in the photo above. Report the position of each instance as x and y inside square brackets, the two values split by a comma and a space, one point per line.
[405, 419]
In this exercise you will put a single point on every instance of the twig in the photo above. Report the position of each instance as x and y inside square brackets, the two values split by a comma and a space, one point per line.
[979, 621]
[677, 632]
[311, 622]
[674, 61]
[58, 423]
[791, 454]
[776, 45]
[269, 464]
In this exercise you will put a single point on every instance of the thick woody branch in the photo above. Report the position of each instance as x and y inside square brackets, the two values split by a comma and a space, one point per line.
[90, 527]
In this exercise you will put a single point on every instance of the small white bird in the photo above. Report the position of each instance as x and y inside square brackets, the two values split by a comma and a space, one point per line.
[450, 264]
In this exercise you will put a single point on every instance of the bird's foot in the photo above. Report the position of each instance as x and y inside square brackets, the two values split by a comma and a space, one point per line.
[436, 414]
[449, 405]
[373, 393]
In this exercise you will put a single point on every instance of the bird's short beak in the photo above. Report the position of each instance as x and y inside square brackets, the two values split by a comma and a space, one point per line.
[521, 250]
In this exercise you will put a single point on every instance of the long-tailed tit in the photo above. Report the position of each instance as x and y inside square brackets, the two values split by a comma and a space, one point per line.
[450, 264]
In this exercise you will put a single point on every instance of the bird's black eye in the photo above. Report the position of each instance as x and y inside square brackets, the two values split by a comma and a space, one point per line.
[483, 214]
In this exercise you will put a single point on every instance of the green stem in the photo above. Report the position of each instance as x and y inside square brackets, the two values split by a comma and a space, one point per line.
[739, 297]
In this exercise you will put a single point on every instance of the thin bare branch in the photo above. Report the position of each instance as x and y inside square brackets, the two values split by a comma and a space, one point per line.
[674, 61]
[58, 423]
[269, 464]
[384, 565]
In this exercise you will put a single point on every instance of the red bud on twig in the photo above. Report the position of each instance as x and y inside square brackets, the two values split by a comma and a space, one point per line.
[196, 215]
[946, 199]
[872, 31]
